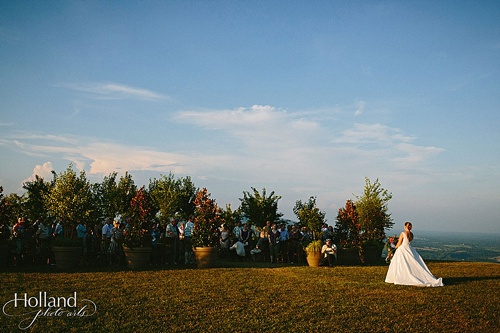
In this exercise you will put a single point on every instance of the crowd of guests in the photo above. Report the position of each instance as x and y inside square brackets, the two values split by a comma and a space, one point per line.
[102, 243]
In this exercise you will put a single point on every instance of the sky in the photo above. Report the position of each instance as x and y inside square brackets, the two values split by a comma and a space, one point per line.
[303, 98]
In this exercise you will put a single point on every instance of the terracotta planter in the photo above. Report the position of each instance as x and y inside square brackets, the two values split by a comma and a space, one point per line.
[313, 259]
[371, 254]
[67, 257]
[205, 256]
[348, 256]
[138, 257]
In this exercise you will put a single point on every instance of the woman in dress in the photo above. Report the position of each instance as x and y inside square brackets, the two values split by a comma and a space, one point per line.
[407, 267]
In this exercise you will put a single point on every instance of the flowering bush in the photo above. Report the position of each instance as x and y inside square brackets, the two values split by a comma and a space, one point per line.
[207, 220]
[390, 245]
[137, 223]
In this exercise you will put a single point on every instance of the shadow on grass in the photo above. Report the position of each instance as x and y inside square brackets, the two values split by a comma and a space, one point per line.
[466, 279]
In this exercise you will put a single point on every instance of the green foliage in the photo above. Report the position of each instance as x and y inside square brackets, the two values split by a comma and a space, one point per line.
[259, 208]
[139, 212]
[207, 220]
[314, 246]
[70, 198]
[230, 216]
[310, 216]
[173, 197]
[11, 207]
[373, 215]
[34, 204]
[347, 226]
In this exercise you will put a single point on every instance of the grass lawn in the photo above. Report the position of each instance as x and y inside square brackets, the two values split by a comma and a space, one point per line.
[242, 298]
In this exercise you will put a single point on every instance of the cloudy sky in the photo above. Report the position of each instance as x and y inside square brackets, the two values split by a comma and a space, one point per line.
[304, 98]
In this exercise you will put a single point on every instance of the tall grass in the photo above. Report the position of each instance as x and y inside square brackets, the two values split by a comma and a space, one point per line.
[267, 299]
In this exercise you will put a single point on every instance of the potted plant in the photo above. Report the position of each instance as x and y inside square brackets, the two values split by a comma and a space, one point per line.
[205, 237]
[346, 234]
[68, 201]
[313, 250]
[310, 216]
[374, 219]
[137, 234]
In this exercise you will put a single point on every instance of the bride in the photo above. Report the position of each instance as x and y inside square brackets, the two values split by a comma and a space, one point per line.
[407, 267]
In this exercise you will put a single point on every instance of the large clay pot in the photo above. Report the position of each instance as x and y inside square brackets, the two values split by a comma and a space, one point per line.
[205, 256]
[348, 256]
[67, 257]
[313, 258]
[138, 257]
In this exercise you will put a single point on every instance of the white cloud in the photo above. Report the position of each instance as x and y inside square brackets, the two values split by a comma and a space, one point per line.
[44, 171]
[116, 91]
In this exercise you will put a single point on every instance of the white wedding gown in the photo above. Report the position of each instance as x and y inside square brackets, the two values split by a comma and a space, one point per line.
[408, 268]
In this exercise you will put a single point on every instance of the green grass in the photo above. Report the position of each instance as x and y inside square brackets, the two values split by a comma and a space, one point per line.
[239, 298]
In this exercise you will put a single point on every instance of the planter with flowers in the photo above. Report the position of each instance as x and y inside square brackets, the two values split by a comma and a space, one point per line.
[137, 235]
[205, 237]
[346, 235]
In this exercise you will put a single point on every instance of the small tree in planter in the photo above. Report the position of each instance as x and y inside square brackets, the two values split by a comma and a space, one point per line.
[310, 216]
[374, 217]
[69, 200]
[206, 228]
[139, 215]
[346, 233]
[137, 234]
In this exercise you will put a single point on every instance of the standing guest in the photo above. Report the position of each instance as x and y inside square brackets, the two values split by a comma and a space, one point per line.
[225, 238]
[236, 231]
[116, 241]
[294, 243]
[267, 228]
[19, 235]
[81, 233]
[58, 230]
[172, 233]
[106, 236]
[180, 254]
[155, 246]
[43, 235]
[245, 234]
[284, 243]
[188, 244]
[274, 240]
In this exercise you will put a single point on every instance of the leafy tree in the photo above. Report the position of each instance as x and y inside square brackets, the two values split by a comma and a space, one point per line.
[126, 192]
[207, 220]
[347, 226]
[173, 196]
[310, 216]
[230, 216]
[140, 211]
[70, 199]
[259, 208]
[185, 197]
[34, 204]
[373, 214]
[107, 196]
[11, 207]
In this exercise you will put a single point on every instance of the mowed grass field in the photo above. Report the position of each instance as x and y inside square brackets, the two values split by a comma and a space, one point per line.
[242, 298]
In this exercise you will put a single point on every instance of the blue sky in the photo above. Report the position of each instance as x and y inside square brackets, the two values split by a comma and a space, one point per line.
[304, 98]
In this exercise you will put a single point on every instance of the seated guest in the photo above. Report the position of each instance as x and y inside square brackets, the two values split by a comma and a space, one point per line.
[328, 254]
